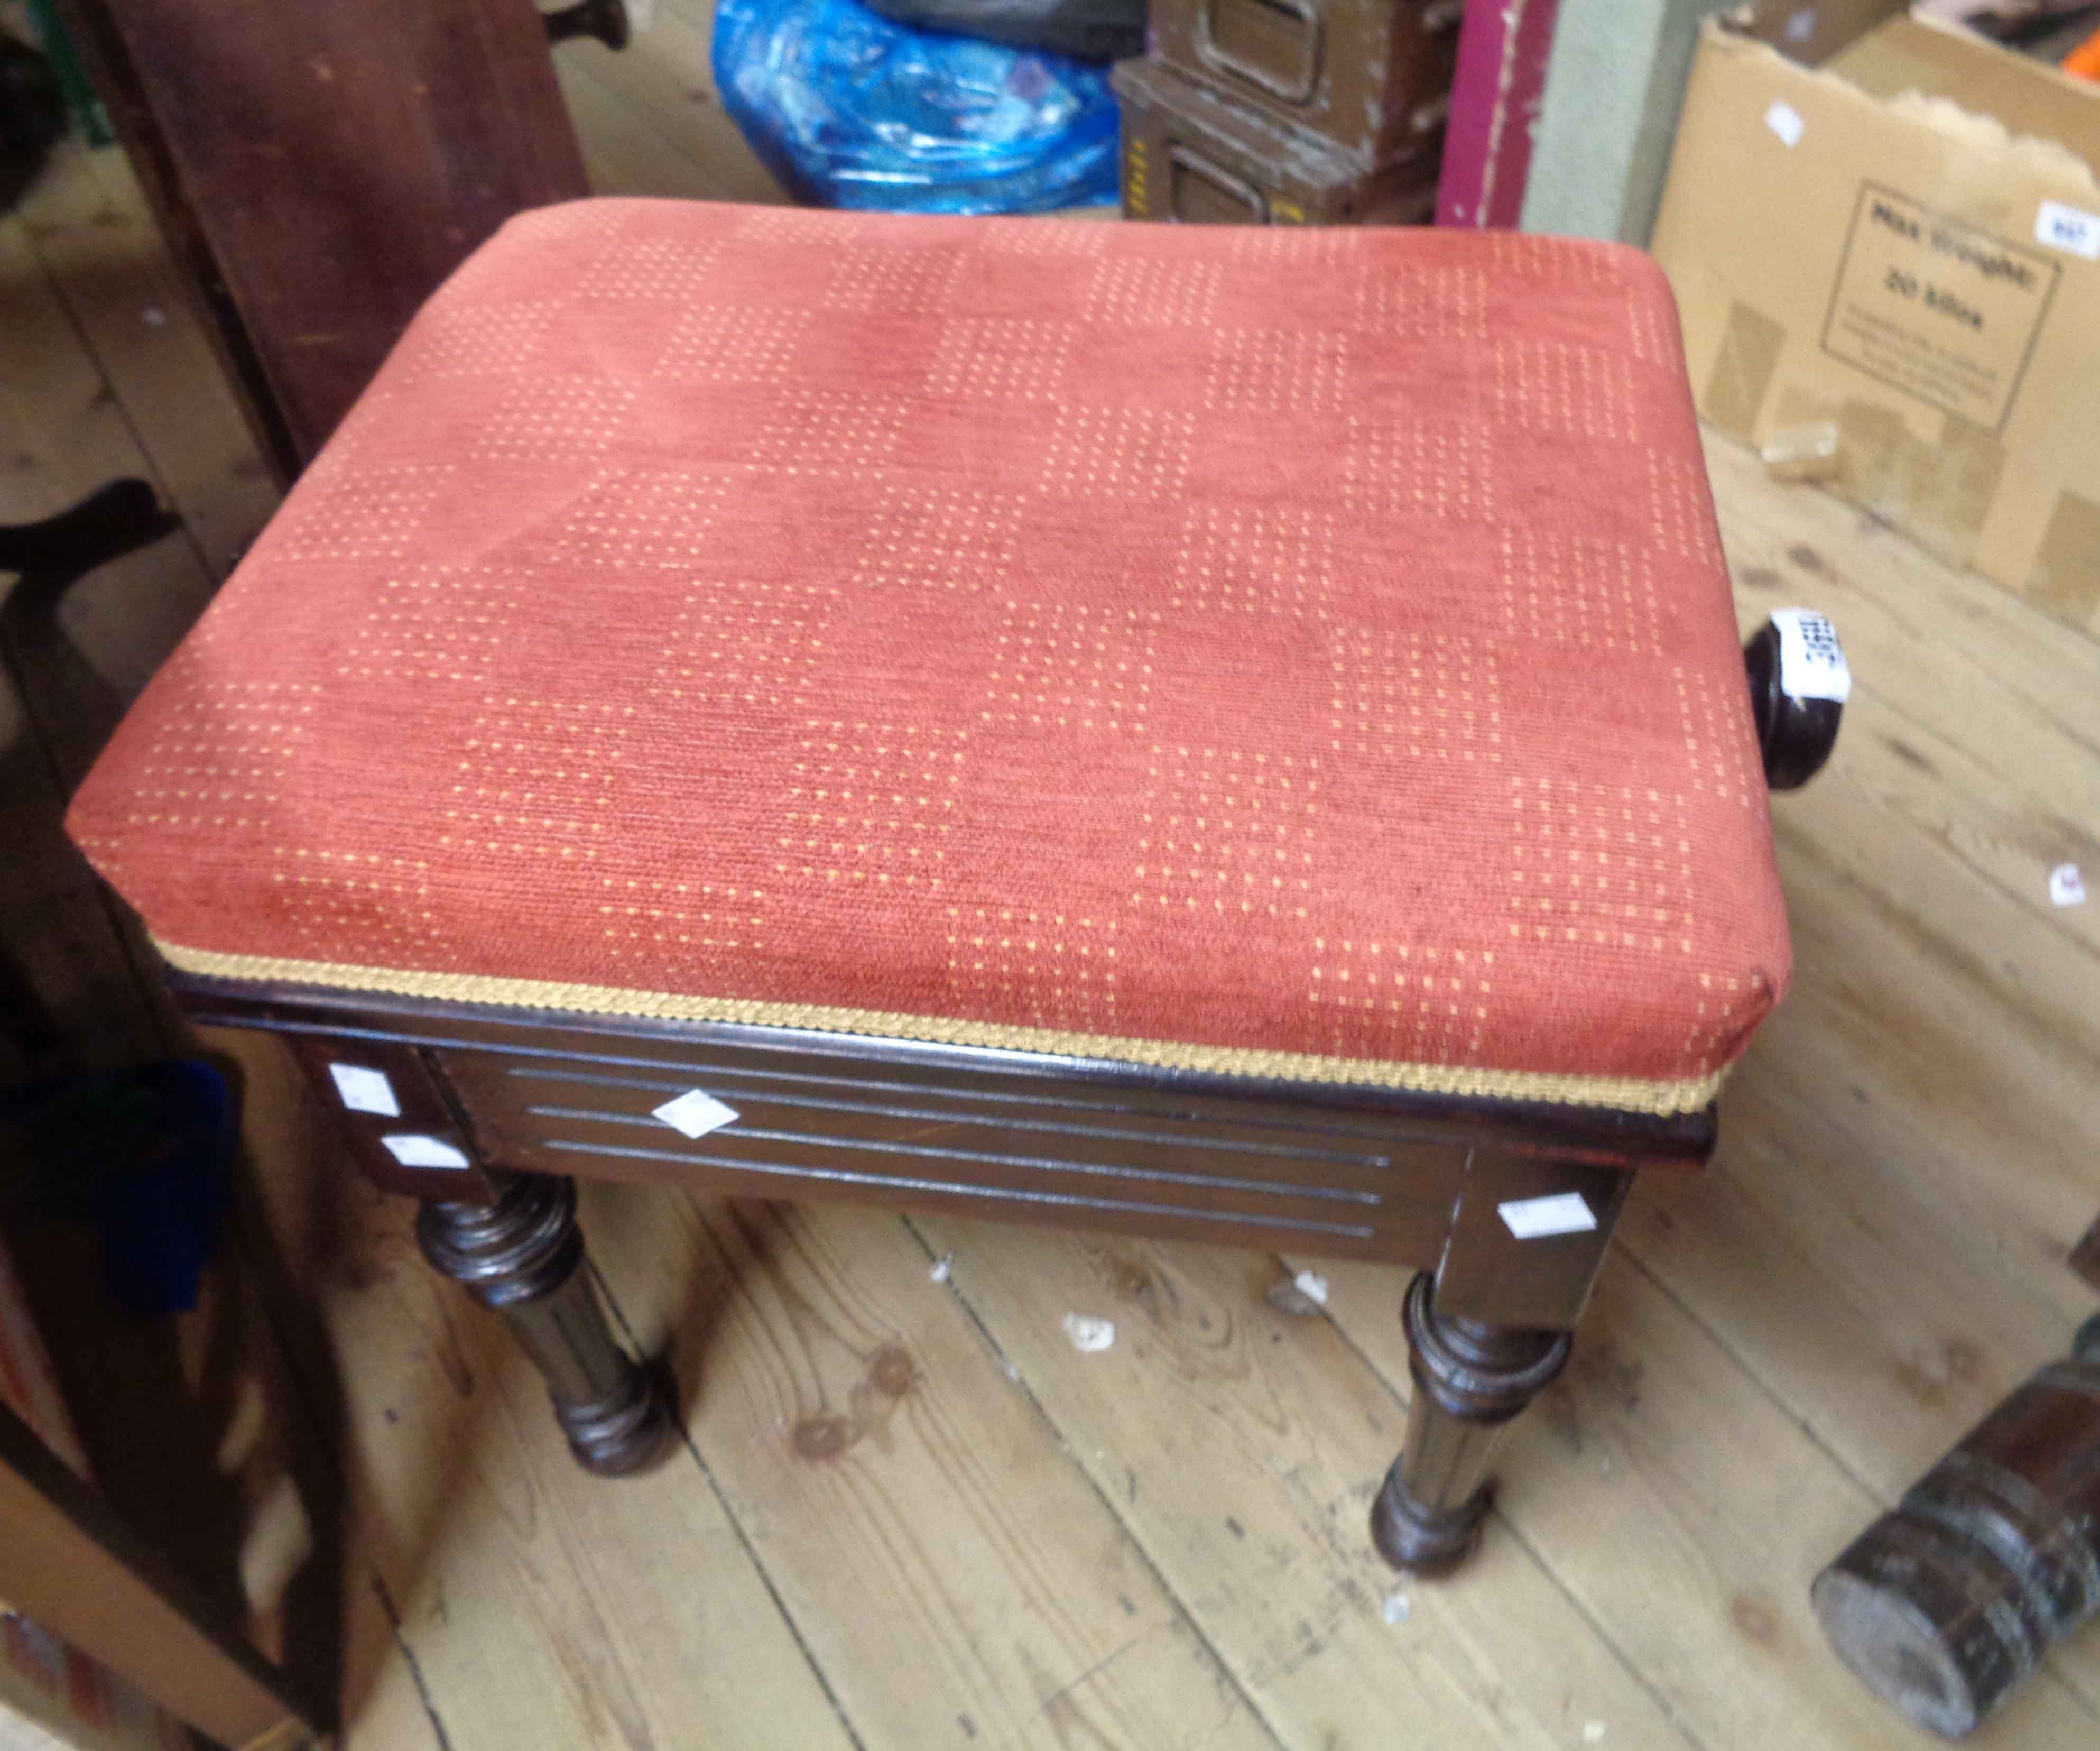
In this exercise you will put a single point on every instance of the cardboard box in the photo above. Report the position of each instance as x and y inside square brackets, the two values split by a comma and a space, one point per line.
[1905, 241]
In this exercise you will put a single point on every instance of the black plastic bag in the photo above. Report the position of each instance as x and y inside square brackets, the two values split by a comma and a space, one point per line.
[1092, 30]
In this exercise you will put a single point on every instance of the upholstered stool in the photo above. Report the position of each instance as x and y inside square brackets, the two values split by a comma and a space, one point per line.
[1228, 733]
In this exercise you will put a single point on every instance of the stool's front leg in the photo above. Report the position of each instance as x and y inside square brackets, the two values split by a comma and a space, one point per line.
[1471, 1379]
[510, 1238]
[1486, 1334]
[523, 1256]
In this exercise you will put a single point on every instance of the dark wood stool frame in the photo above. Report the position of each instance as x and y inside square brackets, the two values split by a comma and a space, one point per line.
[524, 1099]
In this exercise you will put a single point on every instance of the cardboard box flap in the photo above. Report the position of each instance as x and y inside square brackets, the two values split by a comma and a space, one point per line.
[1810, 34]
[2026, 96]
[1904, 68]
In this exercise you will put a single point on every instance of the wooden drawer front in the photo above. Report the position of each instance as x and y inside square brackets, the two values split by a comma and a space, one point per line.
[1073, 1154]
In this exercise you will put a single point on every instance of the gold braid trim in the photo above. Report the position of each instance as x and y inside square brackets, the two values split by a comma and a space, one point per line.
[1622, 1093]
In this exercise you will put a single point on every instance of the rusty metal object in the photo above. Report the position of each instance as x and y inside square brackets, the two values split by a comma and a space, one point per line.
[1191, 156]
[1372, 78]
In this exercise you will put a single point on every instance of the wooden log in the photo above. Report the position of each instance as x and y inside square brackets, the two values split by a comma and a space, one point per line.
[1944, 1606]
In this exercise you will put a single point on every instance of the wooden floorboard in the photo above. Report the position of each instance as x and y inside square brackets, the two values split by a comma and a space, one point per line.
[671, 132]
[91, 233]
[911, 1506]
[909, 1513]
[1240, 1444]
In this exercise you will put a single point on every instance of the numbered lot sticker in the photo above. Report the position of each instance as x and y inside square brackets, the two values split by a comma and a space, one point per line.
[2069, 228]
[1812, 662]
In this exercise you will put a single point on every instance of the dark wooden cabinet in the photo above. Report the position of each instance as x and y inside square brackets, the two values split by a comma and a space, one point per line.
[318, 168]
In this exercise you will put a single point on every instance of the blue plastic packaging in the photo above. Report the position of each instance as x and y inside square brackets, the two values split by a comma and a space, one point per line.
[142, 1153]
[849, 109]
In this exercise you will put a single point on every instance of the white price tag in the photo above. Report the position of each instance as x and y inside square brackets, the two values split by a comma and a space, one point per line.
[364, 1090]
[1535, 1219]
[2071, 229]
[694, 1113]
[1812, 661]
[411, 1150]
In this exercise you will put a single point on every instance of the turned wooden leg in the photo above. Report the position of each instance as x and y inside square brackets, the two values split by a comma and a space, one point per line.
[510, 1238]
[1470, 1379]
[522, 1255]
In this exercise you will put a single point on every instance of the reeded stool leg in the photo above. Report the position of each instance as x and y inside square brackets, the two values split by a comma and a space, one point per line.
[521, 1255]
[1472, 1379]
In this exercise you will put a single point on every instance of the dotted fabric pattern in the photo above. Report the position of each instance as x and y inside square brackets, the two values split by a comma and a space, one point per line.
[1303, 654]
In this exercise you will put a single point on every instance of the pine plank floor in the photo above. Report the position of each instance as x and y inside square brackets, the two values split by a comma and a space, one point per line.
[907, 1513]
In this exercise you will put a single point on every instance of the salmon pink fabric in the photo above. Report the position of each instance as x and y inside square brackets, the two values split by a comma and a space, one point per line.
[1304, 653]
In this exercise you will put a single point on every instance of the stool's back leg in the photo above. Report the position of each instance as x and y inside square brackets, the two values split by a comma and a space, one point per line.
[1486, 1334]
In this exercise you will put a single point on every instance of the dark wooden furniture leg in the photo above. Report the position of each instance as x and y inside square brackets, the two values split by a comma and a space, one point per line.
[1487, 1332]
[522, 1255]
[509, 1239]
[1471, 1378]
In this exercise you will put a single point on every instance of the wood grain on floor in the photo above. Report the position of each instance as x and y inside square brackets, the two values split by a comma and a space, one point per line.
[908, 1513]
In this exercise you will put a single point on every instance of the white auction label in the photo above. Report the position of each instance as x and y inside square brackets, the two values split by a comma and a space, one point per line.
[413, 1150]
[694, 1113]
[1812, 661]
[1784, 120]
[1535, 1219]
[2071, 229]
[364, 1090]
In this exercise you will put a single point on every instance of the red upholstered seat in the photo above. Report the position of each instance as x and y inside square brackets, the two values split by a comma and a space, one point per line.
[1295, 654]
